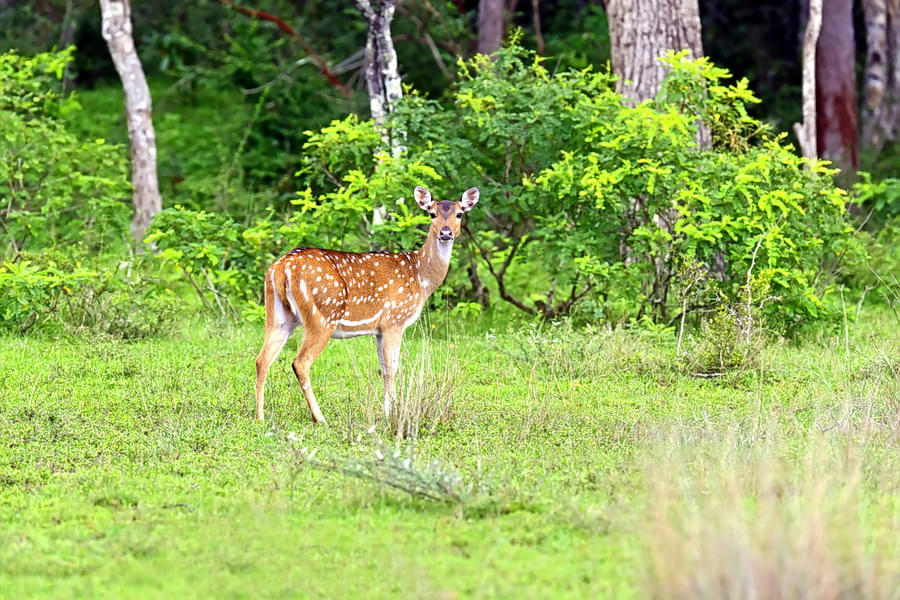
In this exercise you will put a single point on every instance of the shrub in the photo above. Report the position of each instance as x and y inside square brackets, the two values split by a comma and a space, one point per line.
[879, 199]
[52, 292]
[61, 190]
[656, 198]
[591, 201]
[224, 262]
[590, 204]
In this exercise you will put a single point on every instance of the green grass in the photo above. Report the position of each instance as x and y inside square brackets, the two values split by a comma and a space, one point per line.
[589, 463]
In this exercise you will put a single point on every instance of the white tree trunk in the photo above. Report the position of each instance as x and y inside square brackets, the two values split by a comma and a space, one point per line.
[382, 74]
[881, 87]
[116, 27]
[806, 131]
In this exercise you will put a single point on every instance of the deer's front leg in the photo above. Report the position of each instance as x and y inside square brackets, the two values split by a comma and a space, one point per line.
[389, 355]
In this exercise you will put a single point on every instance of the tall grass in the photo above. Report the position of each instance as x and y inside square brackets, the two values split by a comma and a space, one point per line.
[773, 507]
[427, 387]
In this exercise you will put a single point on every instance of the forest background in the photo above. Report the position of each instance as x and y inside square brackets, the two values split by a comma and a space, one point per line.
[257, 153]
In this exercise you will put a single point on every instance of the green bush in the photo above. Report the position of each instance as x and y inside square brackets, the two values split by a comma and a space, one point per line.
[224, 262]
[878, 199]
[589, 203]
[53, 292]
[55, 190]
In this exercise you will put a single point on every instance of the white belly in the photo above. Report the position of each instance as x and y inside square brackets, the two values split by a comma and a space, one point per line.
[342, 334]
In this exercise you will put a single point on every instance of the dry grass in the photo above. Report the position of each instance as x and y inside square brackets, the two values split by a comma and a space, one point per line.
[426, 391]
[745, 511]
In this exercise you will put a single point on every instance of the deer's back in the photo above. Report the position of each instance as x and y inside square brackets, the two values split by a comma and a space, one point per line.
[357, 293]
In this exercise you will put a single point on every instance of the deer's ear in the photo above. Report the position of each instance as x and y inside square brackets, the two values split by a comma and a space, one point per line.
[469, 199]
[423, 198]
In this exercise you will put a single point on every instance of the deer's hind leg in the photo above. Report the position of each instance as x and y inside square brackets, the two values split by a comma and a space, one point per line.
[279, 325]
[321, 309]
[316, 333]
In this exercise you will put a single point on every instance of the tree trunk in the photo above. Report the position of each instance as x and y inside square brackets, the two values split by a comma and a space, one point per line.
[806, 131]
[881, 108]
[382, 74]
[641, 31]
[116, 24]
[490, 25]
[836, 113]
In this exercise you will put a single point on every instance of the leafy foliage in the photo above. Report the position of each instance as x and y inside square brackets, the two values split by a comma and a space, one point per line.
[57, 190]
[223, 261]
[55, 292]
[587, 198]
[880, 199]
[65, 210]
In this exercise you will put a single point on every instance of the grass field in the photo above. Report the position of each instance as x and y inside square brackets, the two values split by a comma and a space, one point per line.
[577, 464]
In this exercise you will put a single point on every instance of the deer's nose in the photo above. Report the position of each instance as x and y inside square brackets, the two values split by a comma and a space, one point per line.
[446, 234]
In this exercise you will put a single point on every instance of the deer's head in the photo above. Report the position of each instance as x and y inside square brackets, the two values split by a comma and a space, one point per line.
[446, 217]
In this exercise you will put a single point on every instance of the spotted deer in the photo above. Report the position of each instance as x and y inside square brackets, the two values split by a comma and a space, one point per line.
[335, 294]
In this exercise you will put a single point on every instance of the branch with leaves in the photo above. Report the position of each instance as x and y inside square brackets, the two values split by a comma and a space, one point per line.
[281, 24]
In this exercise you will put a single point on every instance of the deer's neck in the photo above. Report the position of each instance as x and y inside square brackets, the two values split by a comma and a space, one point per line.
[433, 263]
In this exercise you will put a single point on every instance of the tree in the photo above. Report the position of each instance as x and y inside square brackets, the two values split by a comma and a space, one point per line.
[641, 31]
[881, 108]
[382, 74]
[116, 23]
[806, 131]
[490, 25]
[836, 112]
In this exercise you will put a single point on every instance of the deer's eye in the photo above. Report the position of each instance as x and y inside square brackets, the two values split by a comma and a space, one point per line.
[459, 215]
[433, 215]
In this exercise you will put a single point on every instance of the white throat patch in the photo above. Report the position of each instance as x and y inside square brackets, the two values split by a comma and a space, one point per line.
[445, 249]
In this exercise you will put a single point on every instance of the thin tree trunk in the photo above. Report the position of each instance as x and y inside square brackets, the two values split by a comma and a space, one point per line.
[640, 32]
[116, 26]
[806, 131]
[490, 25]
[382, 74]
[67, 38]
[536, 22]
[836, 112]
